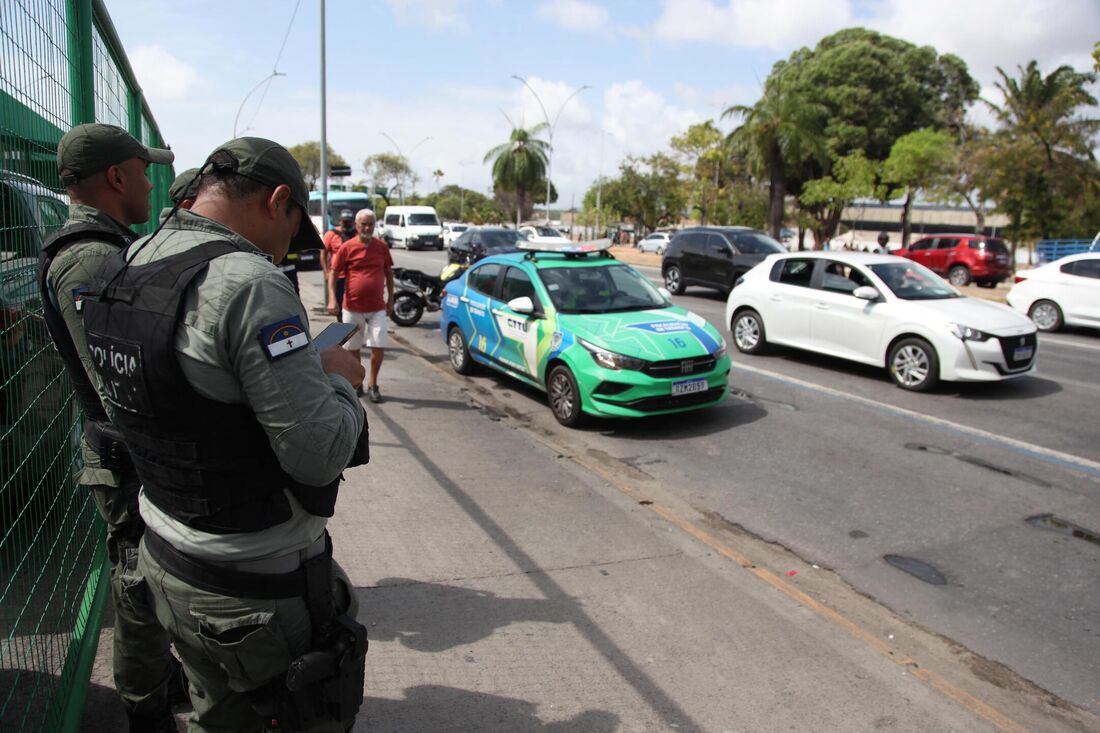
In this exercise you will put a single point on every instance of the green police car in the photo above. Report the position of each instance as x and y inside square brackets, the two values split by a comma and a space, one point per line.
[592, 332]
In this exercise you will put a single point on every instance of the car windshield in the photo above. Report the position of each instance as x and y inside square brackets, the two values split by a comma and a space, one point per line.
[754, 243]
[500, 240]
[458, 228]
[415, 219]
[604, 289]
[547, 232]
[910, 281]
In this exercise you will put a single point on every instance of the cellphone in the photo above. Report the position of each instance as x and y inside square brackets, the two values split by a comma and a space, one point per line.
[334, 334]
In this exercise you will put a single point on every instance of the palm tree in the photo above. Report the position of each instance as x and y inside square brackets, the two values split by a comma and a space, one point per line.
[781, 129]
[520, 163]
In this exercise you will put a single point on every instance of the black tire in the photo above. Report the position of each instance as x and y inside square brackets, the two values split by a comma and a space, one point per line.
[407, 309]
[459, 352]
[752, 338]
[1046, 315]
[564, 396]
[959, 275]
[913, 364]
[674, 280]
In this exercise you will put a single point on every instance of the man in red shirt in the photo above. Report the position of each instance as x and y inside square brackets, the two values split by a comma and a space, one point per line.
[365, 264]
[332, 240]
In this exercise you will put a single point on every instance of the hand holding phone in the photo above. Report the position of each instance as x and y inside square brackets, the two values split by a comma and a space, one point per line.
[334, 334]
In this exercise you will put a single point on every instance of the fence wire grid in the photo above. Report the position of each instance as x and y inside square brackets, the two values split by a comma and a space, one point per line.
[61, 64]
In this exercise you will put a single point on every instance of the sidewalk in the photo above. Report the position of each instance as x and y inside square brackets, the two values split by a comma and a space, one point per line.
[507, 588]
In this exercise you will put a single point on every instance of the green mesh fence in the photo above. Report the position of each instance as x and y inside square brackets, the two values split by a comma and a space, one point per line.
[60, 64]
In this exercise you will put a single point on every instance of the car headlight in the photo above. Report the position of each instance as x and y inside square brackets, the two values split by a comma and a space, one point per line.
[611, 360]
[966, 333]
[721, 350]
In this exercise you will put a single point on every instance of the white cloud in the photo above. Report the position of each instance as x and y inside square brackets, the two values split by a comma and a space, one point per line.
[1007, 33]
[774, 24]
[162, 76]
[574, 15]
[441, 14]
[640, 119]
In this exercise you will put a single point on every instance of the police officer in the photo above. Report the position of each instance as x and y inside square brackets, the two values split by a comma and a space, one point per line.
[103, 169]
[183, 189]
[239, 430]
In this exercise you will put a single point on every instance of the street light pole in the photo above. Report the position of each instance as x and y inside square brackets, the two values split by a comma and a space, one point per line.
[408, 161]
[263, 81]
[324, 131]
[550, 126]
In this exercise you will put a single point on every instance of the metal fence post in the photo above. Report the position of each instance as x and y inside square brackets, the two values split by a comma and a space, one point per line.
[81, 77]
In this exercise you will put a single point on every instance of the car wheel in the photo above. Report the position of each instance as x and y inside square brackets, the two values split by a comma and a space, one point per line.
[987, 283]
[458, 351]
[407, 309]
[958, 276]
[661, 250]
[564, 396]
[674, 281]
[1046, 315]
[913, 365]
[748, 332]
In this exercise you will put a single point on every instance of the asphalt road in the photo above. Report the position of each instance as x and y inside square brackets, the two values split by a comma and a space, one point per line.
[832, 461]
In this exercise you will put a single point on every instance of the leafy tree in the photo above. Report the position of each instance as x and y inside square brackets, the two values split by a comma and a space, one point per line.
[781, 129]
[510, 200]
[965, 173]
[392, 171]
[648, 190]
[520, 164]
[463, 204]
[853, 177]
[437, 174]
[916, 162]
[700, 149]
[308, 155]
[1043, 170]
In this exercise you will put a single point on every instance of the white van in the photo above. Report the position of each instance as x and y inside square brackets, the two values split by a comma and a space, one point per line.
[413, 227]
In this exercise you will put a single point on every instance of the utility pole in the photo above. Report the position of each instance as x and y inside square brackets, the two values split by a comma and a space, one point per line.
[324, 130]
[599, 186]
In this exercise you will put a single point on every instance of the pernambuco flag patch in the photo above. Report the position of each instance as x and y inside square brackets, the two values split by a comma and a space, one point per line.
[284, 337]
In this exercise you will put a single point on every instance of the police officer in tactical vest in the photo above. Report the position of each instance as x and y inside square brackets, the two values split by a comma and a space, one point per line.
[103, 169]
[239, 430]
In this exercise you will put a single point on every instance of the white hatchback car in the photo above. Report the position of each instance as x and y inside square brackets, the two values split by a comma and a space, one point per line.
[880, 310]
[1060, 293]
[655, 242]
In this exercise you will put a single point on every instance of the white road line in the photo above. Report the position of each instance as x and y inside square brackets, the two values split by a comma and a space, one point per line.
[1088, 466]
[1044, 339]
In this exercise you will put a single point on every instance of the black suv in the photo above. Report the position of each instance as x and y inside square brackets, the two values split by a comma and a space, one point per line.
[714, 257]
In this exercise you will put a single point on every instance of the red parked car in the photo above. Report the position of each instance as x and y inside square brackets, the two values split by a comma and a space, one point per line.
[963, 258]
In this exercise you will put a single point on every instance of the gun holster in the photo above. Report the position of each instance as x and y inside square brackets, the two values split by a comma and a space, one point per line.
[106, 440]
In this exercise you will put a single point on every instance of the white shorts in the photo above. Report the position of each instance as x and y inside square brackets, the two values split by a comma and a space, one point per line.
[372, 330]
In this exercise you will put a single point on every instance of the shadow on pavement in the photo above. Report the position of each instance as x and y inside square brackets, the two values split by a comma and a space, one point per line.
[430, 617]
[437, 708]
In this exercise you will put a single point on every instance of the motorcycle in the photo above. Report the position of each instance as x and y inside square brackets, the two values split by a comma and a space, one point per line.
[415, 292]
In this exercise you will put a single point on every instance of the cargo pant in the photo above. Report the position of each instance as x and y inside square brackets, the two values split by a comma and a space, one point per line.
[142, 652]
[231, 646]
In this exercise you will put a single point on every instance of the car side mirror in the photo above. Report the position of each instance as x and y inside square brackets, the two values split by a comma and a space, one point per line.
[665, 294]
[866, 292]
[522, 304]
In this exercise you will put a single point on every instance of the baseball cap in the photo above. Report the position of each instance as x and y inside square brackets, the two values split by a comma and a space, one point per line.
[347, 214]
[185, 186]
[88, 149]
[269, 163]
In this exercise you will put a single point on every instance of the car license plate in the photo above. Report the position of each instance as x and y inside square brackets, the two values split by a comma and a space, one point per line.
[689, 386]
[1022, 353]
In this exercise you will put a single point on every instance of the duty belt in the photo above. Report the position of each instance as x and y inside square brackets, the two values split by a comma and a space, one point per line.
[269, 578]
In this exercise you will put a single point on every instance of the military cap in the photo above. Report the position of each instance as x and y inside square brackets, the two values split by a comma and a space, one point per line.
[269, 163]
[88, 149]
[185, 186]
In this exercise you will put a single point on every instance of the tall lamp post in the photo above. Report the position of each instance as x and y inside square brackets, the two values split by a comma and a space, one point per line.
[263, 81]
[407, 160]
[550, 126]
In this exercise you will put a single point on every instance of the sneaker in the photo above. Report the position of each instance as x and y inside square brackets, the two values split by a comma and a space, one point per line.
[373, 394]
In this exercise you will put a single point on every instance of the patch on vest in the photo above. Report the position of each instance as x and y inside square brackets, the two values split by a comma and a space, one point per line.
[284, 337]
[78, 298]
[119, 365]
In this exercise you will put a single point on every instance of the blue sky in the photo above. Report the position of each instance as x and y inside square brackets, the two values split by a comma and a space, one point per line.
[441, 69]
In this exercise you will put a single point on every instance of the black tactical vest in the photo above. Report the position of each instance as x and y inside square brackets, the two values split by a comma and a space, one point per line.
[207, 464]
[59, 331]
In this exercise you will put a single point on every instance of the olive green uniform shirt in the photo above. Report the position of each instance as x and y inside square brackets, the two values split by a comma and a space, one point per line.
[73, 271]
[312, 419]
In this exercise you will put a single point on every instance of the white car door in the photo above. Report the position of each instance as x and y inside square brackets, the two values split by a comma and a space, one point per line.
[842, 324]
[1081, 288]
[786, 305]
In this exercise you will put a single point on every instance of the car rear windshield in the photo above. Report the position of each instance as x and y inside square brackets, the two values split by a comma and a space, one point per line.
[422, 219]
[754, 243]
[996, 246]
[910, 281]
[458, 228]
[502, 239]
[604, 289]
